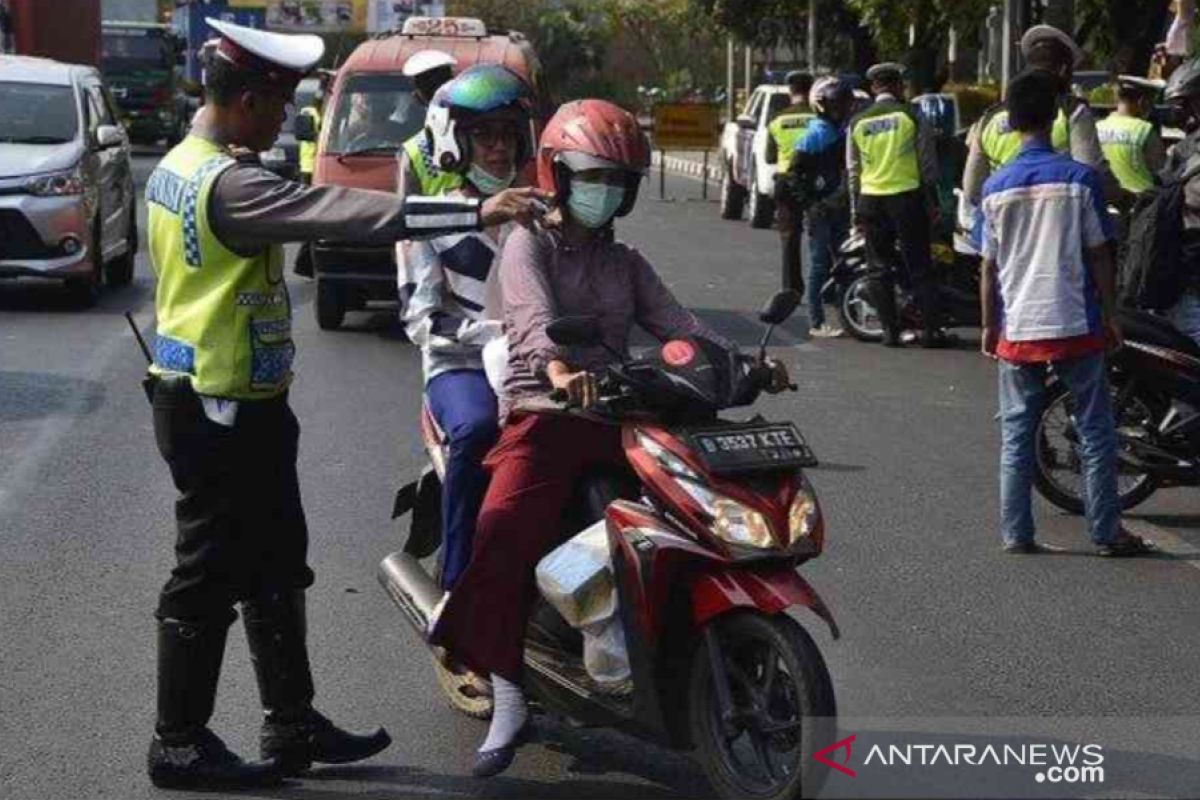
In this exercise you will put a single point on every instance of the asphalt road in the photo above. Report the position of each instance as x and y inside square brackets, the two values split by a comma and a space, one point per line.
[936, 623]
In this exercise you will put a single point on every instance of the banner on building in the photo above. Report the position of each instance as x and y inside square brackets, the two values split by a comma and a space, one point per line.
[387, 15]
[317, 16]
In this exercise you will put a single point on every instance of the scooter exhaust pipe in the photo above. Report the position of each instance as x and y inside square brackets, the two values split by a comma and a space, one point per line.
[411, 588]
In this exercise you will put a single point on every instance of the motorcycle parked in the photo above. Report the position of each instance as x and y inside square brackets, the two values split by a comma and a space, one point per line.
[705, 532]
[1155, 384]
[849, 285]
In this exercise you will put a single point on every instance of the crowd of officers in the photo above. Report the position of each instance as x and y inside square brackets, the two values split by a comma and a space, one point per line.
[885, 175]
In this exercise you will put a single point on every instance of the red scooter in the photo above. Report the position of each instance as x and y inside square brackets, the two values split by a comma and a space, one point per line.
[705, 530]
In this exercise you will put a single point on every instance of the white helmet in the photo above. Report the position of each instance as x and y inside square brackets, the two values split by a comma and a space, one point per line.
[427, 60]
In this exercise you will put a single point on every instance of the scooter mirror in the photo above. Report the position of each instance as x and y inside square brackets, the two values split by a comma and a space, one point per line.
[575, 331]
[779, 307]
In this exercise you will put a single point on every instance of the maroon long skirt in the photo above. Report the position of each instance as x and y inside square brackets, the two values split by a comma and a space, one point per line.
[534, 468]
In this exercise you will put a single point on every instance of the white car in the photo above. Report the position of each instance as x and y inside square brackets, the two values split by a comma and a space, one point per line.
[748, 176]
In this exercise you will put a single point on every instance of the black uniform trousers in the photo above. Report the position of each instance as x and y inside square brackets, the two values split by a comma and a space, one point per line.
[789, 216]
[240, 524]
[900, 219]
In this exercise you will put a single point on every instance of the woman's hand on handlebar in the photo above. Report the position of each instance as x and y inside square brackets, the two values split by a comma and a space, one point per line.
[577, 388]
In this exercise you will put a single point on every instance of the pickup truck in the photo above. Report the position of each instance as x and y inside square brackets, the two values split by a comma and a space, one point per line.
[749, 180]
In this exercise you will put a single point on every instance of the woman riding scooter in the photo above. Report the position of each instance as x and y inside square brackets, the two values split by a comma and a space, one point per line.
[593, 155]
[479, 126]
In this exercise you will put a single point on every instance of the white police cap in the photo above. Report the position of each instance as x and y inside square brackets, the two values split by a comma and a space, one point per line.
[887, 71]
[1142, 84]
[427, 60]
[1041, 33]
[282, 58]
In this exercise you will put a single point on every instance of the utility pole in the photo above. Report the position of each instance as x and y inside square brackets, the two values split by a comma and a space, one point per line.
[812, 37]
[749, 68]
[729, 87]
[1018, 17]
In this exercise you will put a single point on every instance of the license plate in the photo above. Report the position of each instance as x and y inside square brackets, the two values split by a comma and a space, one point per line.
[752, 448]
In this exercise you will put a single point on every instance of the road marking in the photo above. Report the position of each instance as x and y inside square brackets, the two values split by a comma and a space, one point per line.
[1169, 543]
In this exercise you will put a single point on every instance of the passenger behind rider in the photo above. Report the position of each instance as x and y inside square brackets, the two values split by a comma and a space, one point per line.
[450, 293]
[593, 155]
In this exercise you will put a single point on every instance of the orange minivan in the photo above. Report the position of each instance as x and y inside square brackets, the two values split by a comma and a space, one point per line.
[350, 275]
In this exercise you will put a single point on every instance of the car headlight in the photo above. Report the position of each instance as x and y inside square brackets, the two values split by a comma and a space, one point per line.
[803, 515]
[56, 184]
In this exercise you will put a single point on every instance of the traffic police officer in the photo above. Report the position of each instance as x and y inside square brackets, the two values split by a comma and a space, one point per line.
[892, 169]
[1132, 143]
[219, 384]
[419, 174]
[784, 130]
[308, 149]
[993, 143]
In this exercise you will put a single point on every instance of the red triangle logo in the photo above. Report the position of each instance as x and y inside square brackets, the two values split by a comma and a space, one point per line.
[823, 754]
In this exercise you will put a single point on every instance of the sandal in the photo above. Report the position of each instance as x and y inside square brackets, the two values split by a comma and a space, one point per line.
[1126, 545]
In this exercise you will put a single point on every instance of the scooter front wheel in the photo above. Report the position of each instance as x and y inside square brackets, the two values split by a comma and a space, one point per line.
[457, 687]
[858, 314]
[782, 709]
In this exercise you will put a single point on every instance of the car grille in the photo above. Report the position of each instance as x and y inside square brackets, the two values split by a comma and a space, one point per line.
[18, 239]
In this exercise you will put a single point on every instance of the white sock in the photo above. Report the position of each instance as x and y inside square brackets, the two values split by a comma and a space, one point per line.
[508, 714]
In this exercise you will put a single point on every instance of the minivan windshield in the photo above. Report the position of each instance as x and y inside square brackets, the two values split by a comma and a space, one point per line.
[130, 50]
[37, 113]
[375, 114]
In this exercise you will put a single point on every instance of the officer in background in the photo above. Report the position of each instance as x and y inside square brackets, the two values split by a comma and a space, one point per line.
[308, 149]
[219, 387]
[993, 142]
[1131, 143]
[783, 131]
[429, 69]
[892, 169]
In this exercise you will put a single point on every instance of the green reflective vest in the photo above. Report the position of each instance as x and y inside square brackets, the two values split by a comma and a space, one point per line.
[223, 318]
[1000, 143]
[1123, 140]
[886, 138]
[786, 129]
[308, 150]
[433, 180]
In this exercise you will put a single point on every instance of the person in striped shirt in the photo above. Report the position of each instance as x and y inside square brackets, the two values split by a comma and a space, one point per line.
[450, 294]
[1047, 294]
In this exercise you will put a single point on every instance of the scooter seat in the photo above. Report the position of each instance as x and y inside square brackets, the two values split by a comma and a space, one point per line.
[1141, 326]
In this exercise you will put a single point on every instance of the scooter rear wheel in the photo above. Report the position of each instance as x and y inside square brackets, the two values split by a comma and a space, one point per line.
[452, 685]
[858, 314]
[784, 709]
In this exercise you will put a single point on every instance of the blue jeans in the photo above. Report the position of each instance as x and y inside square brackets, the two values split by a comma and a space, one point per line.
[464, 406]
[1022, 395]
[1186, 314]
[825, 232]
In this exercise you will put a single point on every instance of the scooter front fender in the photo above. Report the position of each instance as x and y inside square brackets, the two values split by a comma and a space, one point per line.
[766, 590]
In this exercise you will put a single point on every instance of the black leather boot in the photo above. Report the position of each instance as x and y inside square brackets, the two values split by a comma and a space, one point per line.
[184, 753]
[294, 733]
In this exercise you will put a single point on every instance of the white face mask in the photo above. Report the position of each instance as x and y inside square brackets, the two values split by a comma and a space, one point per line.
[594, 204]
[487, 183]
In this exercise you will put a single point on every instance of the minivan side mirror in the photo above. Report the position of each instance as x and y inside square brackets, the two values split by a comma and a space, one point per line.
[745, 121]
[109, 136]
[779, 307]
[304, 128]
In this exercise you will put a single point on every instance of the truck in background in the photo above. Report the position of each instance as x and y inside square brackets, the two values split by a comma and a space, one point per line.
[65, 30]
[189, 23]
[138, 61]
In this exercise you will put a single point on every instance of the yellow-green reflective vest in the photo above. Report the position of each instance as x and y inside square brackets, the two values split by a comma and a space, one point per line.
[1000, 143]
[433, 180]
[308, 150]
[1123, 140]
[886, 138]
[223, 318]
[786, 129]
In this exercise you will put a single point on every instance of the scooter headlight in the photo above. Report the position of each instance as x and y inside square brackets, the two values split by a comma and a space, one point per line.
[732, 521]
[804, 516]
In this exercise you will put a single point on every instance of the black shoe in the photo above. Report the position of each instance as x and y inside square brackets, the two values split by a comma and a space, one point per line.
[204, 762]
[489, 763]
[294, 732]
[1125, 546]
[310, 738]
